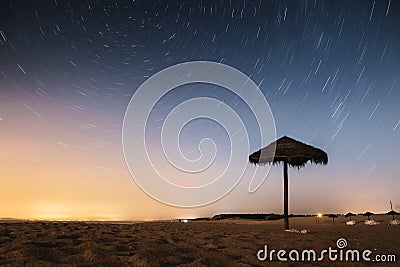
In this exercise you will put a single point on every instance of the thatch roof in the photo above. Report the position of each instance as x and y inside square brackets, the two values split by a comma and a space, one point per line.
[392, 212]
[295, 153]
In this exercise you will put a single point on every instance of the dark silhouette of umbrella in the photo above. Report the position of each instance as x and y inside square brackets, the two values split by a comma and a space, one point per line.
[290, 152]
[349, 215]
[333, 216]
[368, 214]
[392, 212]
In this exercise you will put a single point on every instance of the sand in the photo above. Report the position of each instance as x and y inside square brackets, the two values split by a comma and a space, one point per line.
[209, 243]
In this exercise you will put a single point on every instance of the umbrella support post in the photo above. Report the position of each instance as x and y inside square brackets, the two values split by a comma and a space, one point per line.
[285, 196]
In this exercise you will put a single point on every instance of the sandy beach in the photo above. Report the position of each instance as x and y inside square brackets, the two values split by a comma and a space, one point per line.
[201, 243]
[230, 133]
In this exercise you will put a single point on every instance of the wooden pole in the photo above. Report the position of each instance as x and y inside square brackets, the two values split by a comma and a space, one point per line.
[285, 196]
[391, 208]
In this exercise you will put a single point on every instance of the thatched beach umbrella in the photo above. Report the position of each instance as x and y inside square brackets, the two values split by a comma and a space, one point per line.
[349, 215]
[368, 214]
[392, 212]
[290, 152]
[333, 216]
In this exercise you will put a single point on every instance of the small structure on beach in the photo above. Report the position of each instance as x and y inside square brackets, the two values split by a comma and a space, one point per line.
[369, 221]
[350, 222]
[349, 214]
[368, 214]
[293, 153]
[393, 213]
[333, 216]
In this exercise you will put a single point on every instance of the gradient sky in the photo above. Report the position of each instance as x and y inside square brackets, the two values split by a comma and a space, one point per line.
[329, 70]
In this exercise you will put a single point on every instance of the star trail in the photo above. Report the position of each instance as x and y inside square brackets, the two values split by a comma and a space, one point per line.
[329, 70]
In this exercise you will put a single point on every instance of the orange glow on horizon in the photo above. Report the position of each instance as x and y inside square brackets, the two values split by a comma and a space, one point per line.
[42, 179]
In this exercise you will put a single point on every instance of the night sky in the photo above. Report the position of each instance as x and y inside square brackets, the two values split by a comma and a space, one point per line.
[330, 71]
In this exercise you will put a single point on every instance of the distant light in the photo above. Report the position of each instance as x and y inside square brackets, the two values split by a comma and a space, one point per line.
[319, 215]
[185, 220]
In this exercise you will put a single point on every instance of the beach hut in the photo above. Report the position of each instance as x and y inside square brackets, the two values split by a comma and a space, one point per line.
[292, 153]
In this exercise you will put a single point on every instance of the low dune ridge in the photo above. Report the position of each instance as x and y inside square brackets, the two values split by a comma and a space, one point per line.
[229, 242]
